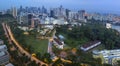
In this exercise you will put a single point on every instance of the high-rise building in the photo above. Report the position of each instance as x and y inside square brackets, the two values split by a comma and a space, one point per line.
[62, 12]
[72, 15]
[21, 8]
[23, 19]
[30, 16]
[52, 13]
[44, 10]
[81, 14]
[8, 11]
[14, 12]
[67, 13]
[35, 22]
[1, 13]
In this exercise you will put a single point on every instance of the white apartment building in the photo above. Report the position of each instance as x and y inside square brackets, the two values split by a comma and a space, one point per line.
[108, 56]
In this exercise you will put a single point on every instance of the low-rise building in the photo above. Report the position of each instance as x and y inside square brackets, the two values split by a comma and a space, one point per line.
[1, 41]
[3, 48]
[4, 55]
[59, 44]
[108, 25]
[108, 56]
[61, 37]
[90, 45]
[9, 64]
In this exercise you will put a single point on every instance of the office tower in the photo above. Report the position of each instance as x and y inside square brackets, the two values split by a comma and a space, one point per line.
[20, 10]
[35, 22]
[1, 13]
[32, 23]
[72, 15]
[14, 12]
[26, 9]
[81, 14]
[44, 10]
[9, 11]
[52, 13]
[67, 13]
[61, 11]
[23, 19]
[39, 10]
[30, 16]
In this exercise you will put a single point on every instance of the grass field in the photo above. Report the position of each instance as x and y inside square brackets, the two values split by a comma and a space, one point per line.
[37, 44]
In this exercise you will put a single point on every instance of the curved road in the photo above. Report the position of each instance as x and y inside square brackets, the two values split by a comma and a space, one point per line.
[21, 49]
[6, 33]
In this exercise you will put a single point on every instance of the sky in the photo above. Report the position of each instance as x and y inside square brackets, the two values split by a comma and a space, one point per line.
[103, 6]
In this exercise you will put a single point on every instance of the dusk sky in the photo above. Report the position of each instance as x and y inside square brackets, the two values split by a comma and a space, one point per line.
[102, 6]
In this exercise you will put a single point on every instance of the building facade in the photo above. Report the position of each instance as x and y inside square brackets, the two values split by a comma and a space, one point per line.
[90, 45]
[4, 55]
[108, 56]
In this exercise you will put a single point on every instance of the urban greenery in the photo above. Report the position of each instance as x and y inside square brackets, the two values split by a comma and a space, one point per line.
[80, 35]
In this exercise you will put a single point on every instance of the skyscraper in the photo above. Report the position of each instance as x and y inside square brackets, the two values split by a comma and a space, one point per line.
[30, 16]
[81, 14]
[44, 10]
[14, 12]
[52, 13]
[20, 9]
[67, 13]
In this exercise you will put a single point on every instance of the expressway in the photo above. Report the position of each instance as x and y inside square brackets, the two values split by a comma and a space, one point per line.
[6, 33]
[21, 49]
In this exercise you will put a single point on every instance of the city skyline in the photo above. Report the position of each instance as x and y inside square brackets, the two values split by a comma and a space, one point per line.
[106, 6]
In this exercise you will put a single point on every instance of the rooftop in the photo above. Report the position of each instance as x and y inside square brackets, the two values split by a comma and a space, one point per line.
[110, 53]
[3, 47]
[58, 41]
[9, 64]
[90, 44]
[61, 36]
[2, 53]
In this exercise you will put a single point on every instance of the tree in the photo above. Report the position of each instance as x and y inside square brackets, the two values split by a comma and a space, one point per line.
[46, 58]
[57, 63]
[107, 65]
[118, 63]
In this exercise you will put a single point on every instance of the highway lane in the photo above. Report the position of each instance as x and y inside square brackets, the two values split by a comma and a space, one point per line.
[21, 48]
[6, 33]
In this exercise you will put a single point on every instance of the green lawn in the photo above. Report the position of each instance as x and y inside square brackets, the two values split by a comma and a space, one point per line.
[37, 44]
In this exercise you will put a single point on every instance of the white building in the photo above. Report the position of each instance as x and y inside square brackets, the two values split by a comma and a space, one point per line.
[3, 48]
[24, 28]
[4, 55]
[90, 45]
[72, 15]
[108, 25]
[60, 21]
[14, 12]
[108, 56]
[59, 44]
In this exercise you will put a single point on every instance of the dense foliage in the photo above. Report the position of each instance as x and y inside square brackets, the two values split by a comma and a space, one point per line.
[79, 35]
[6, 18]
